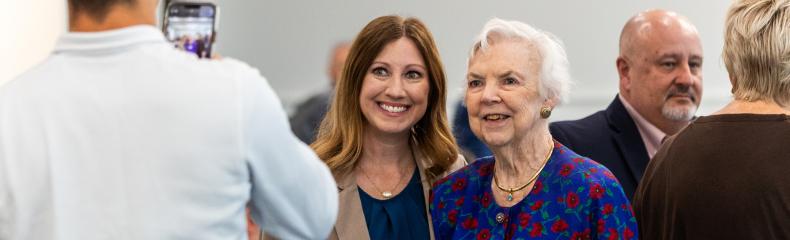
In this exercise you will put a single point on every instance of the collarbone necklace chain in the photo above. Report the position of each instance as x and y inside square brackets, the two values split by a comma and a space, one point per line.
[534, 177]
[389, 194]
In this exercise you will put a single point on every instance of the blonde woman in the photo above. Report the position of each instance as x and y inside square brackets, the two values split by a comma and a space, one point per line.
[725, 176]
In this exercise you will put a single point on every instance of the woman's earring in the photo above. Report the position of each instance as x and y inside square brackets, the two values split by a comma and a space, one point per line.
[545, 112]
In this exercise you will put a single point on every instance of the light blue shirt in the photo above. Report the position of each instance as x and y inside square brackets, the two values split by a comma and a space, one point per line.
[119, 136]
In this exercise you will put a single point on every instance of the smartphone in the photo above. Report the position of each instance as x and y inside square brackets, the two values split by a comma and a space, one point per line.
[190, 26]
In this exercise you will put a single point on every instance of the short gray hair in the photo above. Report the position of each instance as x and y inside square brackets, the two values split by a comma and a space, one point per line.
[555, 77]
[757, 49]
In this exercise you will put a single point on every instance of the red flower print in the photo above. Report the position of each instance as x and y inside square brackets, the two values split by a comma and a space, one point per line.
[559, 226]
[612, 234]
[485, 170]
[441, 205]
[593, 170]
[627, 233]
[459, 184]
[608, 209]
[459, 202]
[469, 223]
[484, 234]
[578, 160]
[440, 182]
[452, 216]
[596, 191]
[572, 200]
[537, 230]
[601, 226]
[486, 200]
[537, 205]
[566, 169]
[537, 187]
[523, 219]
[581, 235]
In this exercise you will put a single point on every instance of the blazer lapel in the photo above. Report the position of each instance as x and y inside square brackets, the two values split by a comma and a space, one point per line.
[627, 139]
[422, 163]
[350, 219]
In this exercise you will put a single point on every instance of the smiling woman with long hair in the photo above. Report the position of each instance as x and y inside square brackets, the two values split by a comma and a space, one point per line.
[386, 137]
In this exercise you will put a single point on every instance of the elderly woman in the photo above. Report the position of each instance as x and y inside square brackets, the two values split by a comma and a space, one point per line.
[533, 186]
[726, 176]
[386, 137]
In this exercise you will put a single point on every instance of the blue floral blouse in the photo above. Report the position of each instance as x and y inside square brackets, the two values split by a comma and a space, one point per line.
[573, 197]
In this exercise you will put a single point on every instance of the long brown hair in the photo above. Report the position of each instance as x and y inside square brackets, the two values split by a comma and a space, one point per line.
[339, 140]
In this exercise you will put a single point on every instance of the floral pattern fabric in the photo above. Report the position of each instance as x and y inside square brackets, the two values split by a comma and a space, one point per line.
[573, 198]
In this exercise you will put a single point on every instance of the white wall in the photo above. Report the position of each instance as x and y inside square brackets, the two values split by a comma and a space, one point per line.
[30, 28]
[289, 40]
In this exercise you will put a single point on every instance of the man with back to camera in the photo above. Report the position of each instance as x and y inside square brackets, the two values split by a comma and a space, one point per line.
[660, 69]
[117, 135]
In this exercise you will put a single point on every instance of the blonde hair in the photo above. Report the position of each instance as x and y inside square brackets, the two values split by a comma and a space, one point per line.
[339, 140]
[757, 50]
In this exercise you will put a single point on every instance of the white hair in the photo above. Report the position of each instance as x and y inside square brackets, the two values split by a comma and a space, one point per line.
[555, 77]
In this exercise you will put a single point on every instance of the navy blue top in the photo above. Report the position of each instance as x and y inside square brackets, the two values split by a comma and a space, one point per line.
[400, 217]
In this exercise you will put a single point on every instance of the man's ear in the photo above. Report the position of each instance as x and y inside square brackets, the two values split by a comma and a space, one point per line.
[624, 71]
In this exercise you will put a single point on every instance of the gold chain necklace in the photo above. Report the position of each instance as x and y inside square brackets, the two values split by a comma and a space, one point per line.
[388, 194]
[510, 191]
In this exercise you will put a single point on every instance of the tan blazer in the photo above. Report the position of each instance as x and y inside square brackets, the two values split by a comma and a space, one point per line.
[351, 219]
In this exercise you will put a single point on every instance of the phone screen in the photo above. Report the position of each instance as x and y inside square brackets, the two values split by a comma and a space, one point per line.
[190, 26]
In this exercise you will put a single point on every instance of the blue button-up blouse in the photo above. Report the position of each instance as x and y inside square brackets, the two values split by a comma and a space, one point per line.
[573, 197]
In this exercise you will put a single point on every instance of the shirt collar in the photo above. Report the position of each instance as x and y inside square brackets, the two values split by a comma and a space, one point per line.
[108, 40]
[651, 135]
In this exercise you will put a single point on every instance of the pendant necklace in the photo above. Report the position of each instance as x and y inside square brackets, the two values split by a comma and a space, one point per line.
[510, 191]
[388, 194]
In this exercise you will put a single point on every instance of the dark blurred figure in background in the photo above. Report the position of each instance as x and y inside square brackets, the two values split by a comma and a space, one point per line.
[308, 116]
[727, 175]
[660, 68]
[471, 146]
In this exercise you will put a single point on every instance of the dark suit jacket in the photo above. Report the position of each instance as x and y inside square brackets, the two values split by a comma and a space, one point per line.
[308, 116]
[609, 137]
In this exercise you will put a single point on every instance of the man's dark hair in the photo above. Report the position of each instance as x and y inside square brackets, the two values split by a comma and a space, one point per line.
[96, 9]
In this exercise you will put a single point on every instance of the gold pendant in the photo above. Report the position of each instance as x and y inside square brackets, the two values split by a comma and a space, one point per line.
[386, 194]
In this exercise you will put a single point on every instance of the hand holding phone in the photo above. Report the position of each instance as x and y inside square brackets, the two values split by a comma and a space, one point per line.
[189, 25]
